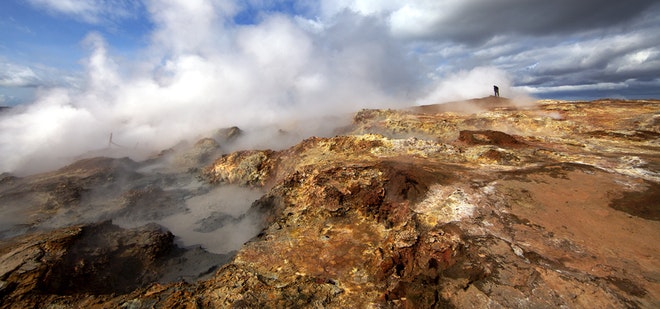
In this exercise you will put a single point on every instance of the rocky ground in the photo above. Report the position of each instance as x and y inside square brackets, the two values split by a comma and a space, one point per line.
[485, 203]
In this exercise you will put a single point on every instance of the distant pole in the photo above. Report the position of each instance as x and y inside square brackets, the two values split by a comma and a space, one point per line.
[110, 143]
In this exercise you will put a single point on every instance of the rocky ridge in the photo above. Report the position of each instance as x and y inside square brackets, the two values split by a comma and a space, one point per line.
[478, 204]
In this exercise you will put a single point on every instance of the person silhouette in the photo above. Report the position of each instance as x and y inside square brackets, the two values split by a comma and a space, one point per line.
[496, 90]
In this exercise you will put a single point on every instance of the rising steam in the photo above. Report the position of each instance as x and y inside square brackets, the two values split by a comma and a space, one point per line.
[200, 72]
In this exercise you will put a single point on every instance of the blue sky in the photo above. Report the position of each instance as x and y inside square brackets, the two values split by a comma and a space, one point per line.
[157, 71]
[40, 44]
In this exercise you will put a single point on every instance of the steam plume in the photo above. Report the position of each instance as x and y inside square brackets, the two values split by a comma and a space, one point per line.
[201, 72]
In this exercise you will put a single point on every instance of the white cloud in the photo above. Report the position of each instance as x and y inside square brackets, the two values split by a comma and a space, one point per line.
[637, 61]
[364, 7]
[406, 18]
[639, 57]
[17, 80]
[12, 75]
[90, 11]
[418, 19]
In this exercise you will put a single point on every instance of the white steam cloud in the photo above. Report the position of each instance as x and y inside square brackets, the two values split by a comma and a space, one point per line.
[201, 73]
[477, 82]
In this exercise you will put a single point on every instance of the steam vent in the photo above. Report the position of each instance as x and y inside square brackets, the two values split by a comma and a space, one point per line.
[487, 203]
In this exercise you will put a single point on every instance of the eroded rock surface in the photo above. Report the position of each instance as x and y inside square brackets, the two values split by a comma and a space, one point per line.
[79, 261]
[488, 205]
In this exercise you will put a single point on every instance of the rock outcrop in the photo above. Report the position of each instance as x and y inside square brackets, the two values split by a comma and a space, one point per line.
[551, 204]
[80, 261]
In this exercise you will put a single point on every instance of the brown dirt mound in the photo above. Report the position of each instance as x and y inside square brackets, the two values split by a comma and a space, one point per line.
[488, 137]
[468, 106]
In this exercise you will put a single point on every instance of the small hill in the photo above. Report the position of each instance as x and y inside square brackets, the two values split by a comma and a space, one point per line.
[473, 105]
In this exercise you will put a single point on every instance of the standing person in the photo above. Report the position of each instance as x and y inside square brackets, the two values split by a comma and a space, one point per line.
[497, 90]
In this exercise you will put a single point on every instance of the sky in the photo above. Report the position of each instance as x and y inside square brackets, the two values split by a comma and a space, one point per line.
[175, 68]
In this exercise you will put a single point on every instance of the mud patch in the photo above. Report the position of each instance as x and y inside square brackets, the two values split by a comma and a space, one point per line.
[488, 137]
[557, 171]
[107, 259]
[637, 135]
[644, 204]
[627, 286]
